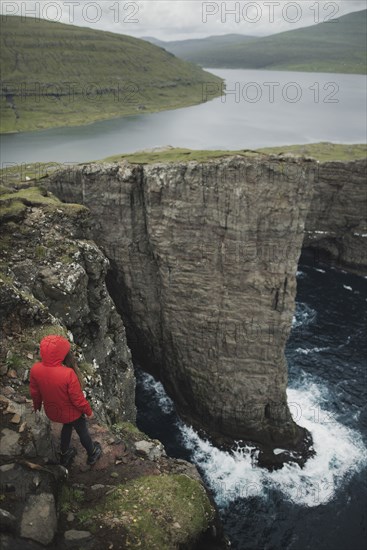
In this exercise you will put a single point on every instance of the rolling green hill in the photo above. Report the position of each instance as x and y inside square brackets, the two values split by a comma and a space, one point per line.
[61, 75]
[337, 46]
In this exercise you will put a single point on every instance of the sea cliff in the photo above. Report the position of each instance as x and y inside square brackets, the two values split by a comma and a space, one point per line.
[188, 268]
[203, 271]
[336, 225]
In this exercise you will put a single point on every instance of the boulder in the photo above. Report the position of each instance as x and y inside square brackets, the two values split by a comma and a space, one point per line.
[153, 450]
[7, 521]
[39, 521]
[9, 443]
[75, 536]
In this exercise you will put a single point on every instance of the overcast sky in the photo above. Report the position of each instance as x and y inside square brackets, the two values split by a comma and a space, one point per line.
[182, 19]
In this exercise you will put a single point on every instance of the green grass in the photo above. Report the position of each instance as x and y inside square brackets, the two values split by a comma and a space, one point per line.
[14, 210]
[31, 196]
[129, 430]
[156, 512]
[70, 498]
[323, 151]
[15, 175]
[46, 330]
[332, 47]
[14, 203]
[14, 361]
[175, 154]
[61, 75]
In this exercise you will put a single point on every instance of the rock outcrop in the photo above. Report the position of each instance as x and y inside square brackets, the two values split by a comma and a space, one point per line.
[203, 263]
[53, 280]
[336, 225]
[135, 496]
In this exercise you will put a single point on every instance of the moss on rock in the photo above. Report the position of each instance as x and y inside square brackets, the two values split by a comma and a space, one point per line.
[156, 512]
[13, 204]
[129, 429]
[13, 210]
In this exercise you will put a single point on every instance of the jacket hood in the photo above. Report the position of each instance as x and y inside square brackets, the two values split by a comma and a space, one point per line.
[54, 350]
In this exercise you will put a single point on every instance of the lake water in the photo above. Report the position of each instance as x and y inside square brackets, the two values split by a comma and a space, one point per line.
[261, 108]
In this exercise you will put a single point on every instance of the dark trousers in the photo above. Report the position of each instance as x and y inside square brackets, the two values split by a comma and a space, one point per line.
[81, 428]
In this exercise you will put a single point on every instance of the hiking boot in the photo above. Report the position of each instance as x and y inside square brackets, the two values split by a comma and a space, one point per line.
[96, 455]
[67, 458]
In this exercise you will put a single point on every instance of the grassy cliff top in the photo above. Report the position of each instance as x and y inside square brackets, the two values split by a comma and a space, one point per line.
[324, 152]
[62, 75]
[321, 151]
[13, 203]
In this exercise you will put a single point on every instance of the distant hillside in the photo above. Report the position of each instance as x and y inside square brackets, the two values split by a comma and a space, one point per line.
[335, 46]
[187, 49]
[61, 75]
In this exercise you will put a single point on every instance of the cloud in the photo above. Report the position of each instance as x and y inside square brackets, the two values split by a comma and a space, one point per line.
[181, 19]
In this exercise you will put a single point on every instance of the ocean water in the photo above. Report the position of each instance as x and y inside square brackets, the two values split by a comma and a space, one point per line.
[323, 505]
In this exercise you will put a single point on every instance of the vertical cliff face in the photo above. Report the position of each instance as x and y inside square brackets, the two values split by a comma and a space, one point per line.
[204, 258]
[336, 226]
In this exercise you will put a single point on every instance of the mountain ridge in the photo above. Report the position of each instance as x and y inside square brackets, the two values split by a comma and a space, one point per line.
[315, 48]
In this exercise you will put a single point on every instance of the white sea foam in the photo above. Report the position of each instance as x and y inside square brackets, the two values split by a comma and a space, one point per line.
[304, 315]
[157, 392]
[320, 270]
[306, 351]
[347, 287]
[339, 453]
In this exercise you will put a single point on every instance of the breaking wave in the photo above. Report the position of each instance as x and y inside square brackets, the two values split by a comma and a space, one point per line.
[340, 453]
[155, 392]
[304, 315]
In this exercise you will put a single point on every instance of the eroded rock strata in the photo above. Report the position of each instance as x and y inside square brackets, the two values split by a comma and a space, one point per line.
[336, 225]
[204, 259]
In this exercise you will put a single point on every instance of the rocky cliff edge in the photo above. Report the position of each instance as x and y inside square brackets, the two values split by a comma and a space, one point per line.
[52, 280]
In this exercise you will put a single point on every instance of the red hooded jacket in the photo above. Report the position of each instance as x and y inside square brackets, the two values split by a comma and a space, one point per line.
[56, 385]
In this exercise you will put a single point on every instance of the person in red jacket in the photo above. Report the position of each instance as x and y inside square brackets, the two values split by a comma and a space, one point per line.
[57, 386]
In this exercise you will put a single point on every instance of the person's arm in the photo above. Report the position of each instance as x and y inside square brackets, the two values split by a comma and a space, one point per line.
[76, 395]
[35, 392]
